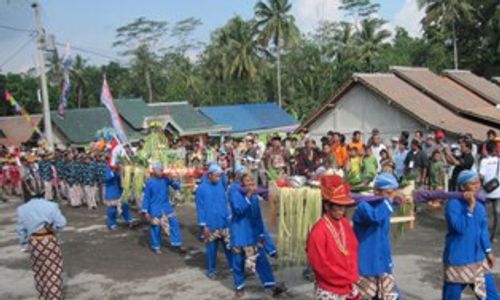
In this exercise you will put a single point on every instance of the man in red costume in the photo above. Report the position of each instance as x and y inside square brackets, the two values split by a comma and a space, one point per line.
[332, 248]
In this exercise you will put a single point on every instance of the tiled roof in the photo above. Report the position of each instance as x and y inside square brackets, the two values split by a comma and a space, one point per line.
[479, 85]
[16, 130]
[79, 126]
[188, 119]
[443, 90]
[252, 117]
[410, 100]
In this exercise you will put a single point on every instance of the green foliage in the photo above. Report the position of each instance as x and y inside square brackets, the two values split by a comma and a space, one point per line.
[240, 61]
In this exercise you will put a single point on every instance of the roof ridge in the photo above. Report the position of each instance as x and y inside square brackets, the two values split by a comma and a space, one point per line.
[373, 74]
[451, 71]
[408, 68]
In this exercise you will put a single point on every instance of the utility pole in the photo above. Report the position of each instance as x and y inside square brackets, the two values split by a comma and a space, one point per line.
[45, 93]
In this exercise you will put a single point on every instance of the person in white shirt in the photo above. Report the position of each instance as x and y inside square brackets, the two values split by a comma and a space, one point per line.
[489, 169]
[376, 147]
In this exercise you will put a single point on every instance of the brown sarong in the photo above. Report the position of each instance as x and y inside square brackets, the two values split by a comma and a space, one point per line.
[47, 260]
[251, 254]
[382, 287]
[220, 234]
[469, 274]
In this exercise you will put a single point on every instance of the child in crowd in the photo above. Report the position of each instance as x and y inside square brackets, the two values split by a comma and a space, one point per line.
[437, 175]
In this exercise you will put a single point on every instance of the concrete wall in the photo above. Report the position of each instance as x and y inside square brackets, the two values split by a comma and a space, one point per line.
[361, 109]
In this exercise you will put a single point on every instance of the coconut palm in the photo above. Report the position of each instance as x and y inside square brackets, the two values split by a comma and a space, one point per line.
[446, 14]
[277, 25]
[78, 78]
[370, 39]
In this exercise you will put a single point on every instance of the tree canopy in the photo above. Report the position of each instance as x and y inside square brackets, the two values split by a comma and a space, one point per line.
[239, 63]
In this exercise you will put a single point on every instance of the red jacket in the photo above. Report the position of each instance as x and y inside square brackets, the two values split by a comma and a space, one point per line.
[335, 271]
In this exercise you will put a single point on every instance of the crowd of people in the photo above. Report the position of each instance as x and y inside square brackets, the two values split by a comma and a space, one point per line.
[228, 209]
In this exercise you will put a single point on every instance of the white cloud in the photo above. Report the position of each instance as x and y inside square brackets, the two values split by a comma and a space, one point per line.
[308, 13]
[409, 18]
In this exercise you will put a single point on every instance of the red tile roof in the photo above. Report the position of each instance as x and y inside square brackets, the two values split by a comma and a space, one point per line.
[479, 85]
[15, 130]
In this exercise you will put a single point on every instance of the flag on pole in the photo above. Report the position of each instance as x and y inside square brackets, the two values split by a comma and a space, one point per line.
[20, 110]
[66, 84]
[107, 101]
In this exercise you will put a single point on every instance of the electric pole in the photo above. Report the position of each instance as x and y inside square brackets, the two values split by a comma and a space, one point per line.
[45, 93]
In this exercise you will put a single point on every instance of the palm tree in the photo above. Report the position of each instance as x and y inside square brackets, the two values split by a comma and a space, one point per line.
[446, 14]
[79, 80]
[277, 25]
[370, 39]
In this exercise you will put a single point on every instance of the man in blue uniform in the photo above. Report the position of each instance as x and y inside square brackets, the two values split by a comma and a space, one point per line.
[372, 226]
[269, 245]
[247, 238]
[158, 211]
[468, 257]
[213, 217]
[112, 197]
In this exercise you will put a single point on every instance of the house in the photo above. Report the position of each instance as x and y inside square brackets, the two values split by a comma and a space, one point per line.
[15, 130]
[391, 104]
[251, 118]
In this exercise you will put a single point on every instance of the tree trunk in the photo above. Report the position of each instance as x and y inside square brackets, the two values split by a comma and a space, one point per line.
[278, 70]
[149, 86]
[79, 97]
[455, 48]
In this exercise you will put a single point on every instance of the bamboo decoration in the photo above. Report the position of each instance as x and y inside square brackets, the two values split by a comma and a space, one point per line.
[299, 209]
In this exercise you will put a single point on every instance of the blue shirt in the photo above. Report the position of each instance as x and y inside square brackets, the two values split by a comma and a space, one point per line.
[212, 206]
[156, 200]
[246, 226]
[35, 215]
[112, 185]
[399, 162]
[467, 239]
[372, 226]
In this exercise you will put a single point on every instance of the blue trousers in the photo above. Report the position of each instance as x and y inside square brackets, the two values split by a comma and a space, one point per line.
[263, 269]
[453, 291]
[174, 232]
[269, 246]
[211, 249]
[112, 214]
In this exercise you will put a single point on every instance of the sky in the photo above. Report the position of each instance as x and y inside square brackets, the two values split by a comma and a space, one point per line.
[90, 24]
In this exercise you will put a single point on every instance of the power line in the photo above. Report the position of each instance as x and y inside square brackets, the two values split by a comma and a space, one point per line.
[7, 27]
[89, 51]
[17, 52]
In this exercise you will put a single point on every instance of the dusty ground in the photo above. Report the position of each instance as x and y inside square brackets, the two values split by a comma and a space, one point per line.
[118, 265]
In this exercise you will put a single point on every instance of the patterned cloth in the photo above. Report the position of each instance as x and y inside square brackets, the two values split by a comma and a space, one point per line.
[90, 173]
[46, 256]
[321, 294]
[117, 203]
[100, 170]
[383, 287]
[220, 234]
[163, 222]
[251, 254]
[45, 170]
[469, 274]
[71, 173]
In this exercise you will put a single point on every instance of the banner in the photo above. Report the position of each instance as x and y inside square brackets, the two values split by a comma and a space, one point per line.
[21, 111]
[107, 101]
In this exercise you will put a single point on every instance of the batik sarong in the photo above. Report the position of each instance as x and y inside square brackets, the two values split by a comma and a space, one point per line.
[251, 254]
[321, 294]
[469, 274]
[163, 221]
[220, 234]
[47, 260]
[382, 287]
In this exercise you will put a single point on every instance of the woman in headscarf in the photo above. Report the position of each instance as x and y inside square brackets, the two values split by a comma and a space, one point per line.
[468, 257]
[332, 248]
